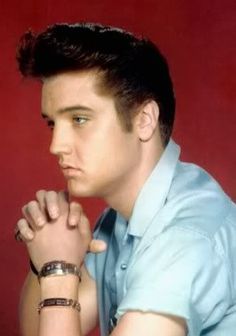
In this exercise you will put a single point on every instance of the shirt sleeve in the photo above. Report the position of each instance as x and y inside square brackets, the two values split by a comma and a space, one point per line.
[179, 273]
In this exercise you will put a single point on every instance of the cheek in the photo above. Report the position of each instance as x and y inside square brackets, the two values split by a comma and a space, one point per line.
[95, 144]
[117, 157]
[105, 147]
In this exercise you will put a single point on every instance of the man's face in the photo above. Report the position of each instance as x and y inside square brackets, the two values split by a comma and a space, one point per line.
[97, 156]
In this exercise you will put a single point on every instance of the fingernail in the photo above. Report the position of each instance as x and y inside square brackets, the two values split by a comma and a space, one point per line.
[54, 213]
[41, 221]
[73, 221]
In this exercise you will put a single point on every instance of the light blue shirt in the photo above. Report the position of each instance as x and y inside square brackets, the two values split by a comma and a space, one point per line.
[177, 254]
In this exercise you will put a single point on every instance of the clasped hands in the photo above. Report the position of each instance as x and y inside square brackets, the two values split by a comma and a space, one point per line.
[55, 229]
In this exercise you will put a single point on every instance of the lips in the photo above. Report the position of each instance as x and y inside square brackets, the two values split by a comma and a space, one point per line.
[64, 164]
[68, 170]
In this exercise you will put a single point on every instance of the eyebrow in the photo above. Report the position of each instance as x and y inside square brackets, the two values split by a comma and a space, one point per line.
[69, 109]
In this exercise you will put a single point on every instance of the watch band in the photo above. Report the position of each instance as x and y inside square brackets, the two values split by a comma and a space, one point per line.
[59, 302]
[59, 267]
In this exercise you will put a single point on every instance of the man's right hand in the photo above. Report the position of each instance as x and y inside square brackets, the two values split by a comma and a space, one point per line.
[46, 209]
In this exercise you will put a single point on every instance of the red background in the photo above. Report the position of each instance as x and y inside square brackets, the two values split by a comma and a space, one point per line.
[199, 39]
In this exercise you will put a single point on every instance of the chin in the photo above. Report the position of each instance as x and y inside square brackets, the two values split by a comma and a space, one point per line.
[79, 190]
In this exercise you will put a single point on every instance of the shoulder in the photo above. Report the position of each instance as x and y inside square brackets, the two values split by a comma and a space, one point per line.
[197, 201]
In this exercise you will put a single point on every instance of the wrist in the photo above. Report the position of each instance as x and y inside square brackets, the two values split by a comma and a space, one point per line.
[60, 286]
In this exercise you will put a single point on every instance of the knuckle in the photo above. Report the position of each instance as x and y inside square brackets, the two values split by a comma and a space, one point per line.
[40, 193]
[51, 193]
[21, 224]
[26, 212]
[62, 192]
[76, 206]
[24, 231]
[32, 204]
[62, 196]
[51, 198]
[32, 207]
[65, 194]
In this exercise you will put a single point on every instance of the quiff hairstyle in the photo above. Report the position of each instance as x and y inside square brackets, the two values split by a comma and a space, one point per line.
[130, 69]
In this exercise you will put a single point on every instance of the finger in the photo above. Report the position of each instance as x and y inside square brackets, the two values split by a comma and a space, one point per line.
[52, 204]
[63, 202]
[84, 230]
[28, 217]
[97, 246]
[26, 232]
[40, 197]
[34, 214]
[75, 211]
[63, 194]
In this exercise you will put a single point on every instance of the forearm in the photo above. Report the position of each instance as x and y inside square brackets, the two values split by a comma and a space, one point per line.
[55, 241]
[60, 321]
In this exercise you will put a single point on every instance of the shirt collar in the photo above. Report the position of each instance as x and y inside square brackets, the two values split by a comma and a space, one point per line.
[155, 190]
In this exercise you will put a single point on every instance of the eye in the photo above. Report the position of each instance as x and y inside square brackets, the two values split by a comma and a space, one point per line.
[80, 119]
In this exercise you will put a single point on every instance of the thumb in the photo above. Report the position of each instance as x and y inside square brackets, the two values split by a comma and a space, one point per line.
[97, 246]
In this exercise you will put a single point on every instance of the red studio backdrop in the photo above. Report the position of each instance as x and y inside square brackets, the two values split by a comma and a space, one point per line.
[199, 39]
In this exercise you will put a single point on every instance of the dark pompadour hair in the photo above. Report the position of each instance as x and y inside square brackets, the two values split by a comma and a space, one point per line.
[132, 69]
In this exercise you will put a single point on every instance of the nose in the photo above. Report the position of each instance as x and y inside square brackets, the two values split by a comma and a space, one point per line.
[60, 143]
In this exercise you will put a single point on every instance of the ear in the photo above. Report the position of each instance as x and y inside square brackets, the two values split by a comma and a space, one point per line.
[147, 120]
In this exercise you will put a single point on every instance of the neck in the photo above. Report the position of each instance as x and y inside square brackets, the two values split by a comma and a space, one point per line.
[123, 200]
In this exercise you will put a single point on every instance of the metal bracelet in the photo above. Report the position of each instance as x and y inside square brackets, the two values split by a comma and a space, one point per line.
[59, 267]
[59, 302]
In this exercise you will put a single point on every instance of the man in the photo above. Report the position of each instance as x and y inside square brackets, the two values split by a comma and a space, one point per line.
[167, 266]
